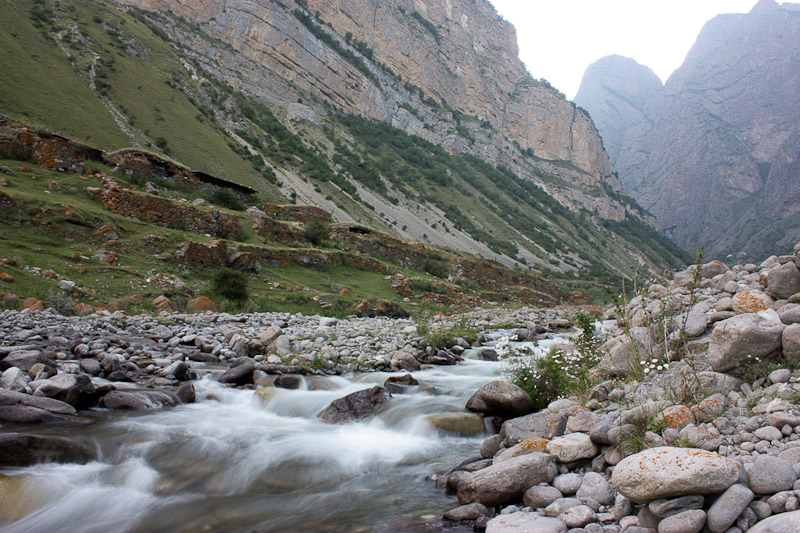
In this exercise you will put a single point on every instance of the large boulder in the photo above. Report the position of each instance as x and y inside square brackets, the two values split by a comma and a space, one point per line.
[668, 472]
[783, 281]
[501, 398]
[20, 449]
[754, 334]
[355, 407]
[508, 480]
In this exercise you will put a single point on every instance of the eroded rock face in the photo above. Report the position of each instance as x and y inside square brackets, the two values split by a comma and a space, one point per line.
[732, 100]
[468, 63]
[667, 472]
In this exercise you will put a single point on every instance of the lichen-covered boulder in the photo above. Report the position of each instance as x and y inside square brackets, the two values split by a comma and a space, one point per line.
[668, 472]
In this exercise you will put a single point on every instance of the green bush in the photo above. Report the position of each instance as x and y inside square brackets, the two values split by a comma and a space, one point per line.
[316, 232]
[225, 198]
[437, 267]
[230, 284]
[60, 301]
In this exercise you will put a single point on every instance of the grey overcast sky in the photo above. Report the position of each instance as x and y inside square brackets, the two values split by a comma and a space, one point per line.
[558, 39]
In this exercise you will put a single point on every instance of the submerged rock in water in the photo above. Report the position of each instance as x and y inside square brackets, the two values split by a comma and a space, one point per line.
[19, 449]
[139, 400]
[17, 498]
[466, 424]
[355, 407]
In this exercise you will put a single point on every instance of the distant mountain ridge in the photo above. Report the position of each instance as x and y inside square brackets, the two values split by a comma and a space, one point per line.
[714, 153]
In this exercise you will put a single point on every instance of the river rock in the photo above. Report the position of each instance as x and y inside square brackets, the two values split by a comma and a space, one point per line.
[20, 449]
[24, 360]
[532, 445]
[186, 393]
[667, 472]
[139, 400]
[663, 508]
[685, 522]
[541, 496]
[239, 375]
[15, 379]
[724, 511]
[398, 384]
[501, 398]
[783, 281]
[466, 424]
[769, 475]
[520, 522]
[578, 516]
[508, 480]
[791, 342]
[597, 487]
[24, 408]
[355, 407]
[734, 339]
[471, 511]
[542, 424]
[405, 360]
[751, 302]
[782, 523]
[74, 389]
[572, 447]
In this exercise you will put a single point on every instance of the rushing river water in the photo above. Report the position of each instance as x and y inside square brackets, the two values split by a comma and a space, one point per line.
[232, 462]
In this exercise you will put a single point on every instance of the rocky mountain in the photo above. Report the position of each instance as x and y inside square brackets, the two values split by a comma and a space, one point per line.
[713, 153]
[415, 119]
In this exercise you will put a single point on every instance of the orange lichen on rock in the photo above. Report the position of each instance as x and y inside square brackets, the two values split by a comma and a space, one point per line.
[678, 416]
[534, 444]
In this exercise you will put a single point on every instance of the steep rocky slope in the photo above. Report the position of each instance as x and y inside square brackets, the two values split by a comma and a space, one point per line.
[273, 96]
[713, 154]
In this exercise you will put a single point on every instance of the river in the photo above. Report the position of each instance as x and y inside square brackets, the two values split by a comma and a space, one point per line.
[235, 462]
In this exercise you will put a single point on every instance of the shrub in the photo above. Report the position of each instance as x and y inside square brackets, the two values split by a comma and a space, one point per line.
[225, 198]
[60, 301]
[230, 284]
[436, 267]
[316, 232]
[558, 374]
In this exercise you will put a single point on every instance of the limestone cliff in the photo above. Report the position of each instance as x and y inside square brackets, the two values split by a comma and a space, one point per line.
[714, 153]
[447, 71]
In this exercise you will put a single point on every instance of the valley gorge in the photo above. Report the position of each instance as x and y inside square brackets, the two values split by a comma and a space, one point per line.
[713, 153]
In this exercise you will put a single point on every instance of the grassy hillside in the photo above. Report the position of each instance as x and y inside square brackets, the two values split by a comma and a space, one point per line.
[75, 66]
[92, 71]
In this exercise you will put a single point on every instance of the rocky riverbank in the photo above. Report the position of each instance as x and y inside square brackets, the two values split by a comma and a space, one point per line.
[54, 366]
[693, 423]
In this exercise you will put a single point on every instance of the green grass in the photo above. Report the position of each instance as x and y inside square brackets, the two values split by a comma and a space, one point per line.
[151, 89]
[41, 87]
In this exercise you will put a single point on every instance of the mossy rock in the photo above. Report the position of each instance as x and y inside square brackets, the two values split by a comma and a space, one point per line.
[466, 424]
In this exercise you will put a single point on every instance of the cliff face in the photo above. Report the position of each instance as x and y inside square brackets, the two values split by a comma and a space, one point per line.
[450, 74]
[714, 154]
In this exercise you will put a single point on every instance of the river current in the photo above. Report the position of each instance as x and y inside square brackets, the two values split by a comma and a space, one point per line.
[235, 462]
